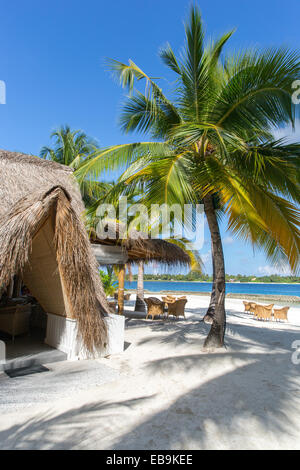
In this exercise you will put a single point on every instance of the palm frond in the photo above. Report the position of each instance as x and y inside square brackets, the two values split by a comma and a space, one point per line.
[112, 158]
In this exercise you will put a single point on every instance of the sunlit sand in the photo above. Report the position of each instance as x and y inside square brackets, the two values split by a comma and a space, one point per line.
[170, 394]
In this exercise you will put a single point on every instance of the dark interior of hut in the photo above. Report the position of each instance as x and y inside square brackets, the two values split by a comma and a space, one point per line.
[23, 323]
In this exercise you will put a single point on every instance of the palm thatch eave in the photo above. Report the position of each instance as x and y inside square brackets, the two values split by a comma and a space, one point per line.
[139, 247]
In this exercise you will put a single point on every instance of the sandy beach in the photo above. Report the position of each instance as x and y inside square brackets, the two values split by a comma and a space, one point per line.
[169, 394]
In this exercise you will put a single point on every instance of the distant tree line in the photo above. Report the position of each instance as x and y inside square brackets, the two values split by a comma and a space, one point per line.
[196, 276]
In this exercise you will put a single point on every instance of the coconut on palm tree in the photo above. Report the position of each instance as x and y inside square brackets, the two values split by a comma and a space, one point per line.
[212, 142]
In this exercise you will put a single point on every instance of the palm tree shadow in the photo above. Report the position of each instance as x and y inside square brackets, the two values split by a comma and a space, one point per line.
[245, 391]
[68, 429]
[255, 392]
[262, 387]
[194, 331]
[176, 332]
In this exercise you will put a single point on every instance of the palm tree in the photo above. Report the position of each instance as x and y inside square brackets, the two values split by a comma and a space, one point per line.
[109, 280]
[111, 194]
[72, 148]
[213, 143]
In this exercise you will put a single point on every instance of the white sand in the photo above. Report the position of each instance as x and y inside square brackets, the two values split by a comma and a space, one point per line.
[172, 395]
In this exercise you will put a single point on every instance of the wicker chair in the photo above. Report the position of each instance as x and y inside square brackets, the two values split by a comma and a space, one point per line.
[263, 312]
[176, 308]
[247, 306]
[252, 307]
[14, 320]
[168, 298]
[154, 307]
[112, 306]
[281, 313]
[126, 296]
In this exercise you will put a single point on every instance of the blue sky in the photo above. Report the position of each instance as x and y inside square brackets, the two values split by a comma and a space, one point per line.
[52, 61]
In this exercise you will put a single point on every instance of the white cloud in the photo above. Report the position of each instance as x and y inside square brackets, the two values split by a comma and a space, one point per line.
[269, 270]
[288, 133]
[206, 257]
[228, 240]
[207, 261]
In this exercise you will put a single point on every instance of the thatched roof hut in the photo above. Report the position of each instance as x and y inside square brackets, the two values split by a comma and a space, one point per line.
[139, 247]
[43, 239]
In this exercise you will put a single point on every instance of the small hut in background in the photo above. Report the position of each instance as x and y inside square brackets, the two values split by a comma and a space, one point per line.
[43, 241]
[134, 248]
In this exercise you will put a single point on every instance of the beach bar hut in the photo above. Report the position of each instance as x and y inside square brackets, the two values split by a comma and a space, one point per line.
[135, 248]
[44, 242]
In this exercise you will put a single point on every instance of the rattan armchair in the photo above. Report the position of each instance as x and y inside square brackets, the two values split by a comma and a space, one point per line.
[112, 306]
[14, 320]
[168, 298]
[247, 306]
[126, 296]
[281, 313]
[176, 308]
[252, 307]
[263, 312]
[155, 307]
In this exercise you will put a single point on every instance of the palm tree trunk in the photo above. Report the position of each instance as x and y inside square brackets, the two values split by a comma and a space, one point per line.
[121, 278]
[208, 318]
[139, 303]
[216, 334]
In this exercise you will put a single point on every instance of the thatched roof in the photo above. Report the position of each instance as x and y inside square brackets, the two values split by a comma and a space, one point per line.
[139, 247]
[32, 192]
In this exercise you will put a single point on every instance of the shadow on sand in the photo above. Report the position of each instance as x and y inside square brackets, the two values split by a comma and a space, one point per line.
[256, 385]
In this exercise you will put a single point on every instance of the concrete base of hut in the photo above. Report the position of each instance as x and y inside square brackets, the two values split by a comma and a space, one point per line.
[62, 334]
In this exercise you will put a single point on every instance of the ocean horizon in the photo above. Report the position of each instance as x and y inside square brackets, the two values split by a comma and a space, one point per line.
[231, 287]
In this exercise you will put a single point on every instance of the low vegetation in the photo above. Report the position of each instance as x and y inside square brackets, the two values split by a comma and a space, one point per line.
[196, 276]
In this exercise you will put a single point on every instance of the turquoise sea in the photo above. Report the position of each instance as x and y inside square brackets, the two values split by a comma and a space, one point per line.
[237, 288]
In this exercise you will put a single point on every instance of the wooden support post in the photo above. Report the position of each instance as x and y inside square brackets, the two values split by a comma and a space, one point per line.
[121, 289]
[10, 288]
[17, 286]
